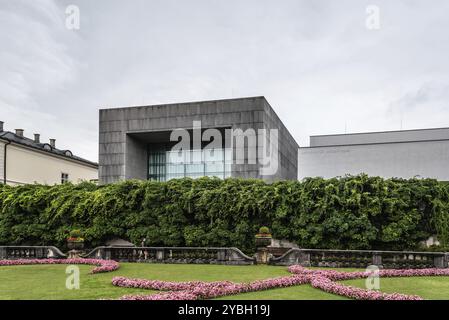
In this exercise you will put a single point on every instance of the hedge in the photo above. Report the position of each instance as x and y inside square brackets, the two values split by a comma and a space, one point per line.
[353, 212]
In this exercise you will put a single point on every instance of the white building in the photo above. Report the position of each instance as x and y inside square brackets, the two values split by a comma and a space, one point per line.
[410, 153]
[27, 161]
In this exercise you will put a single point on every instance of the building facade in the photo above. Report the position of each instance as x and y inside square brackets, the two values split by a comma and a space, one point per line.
[144, 142]
[404, 154]
[28, 161]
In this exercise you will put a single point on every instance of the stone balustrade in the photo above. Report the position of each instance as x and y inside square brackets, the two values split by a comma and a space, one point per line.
[30, 252]
[362, 259]
[193, 255]
[233, 256]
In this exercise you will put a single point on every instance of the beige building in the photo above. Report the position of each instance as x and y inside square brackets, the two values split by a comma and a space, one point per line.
[27, 161]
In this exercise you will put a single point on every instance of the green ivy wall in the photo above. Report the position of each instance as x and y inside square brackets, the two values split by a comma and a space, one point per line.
[357, 212]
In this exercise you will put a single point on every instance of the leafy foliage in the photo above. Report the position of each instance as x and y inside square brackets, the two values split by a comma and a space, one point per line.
[353, 212]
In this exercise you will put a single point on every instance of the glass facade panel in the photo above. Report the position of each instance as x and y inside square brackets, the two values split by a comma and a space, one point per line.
[164, 165]
[157, 168]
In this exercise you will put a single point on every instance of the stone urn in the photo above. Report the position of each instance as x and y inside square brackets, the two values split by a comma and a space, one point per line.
[75, 244]
[263, 240]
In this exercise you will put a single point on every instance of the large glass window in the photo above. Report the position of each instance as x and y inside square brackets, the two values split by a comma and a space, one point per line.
[164, 165]
[157, 165]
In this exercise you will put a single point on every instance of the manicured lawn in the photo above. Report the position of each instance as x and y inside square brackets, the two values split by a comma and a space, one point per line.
[48, 282]
[433, 288]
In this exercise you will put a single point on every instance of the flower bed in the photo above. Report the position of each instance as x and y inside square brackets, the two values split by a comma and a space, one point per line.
[198, 290]
[201, 290]
[101, 265]
[325, 280]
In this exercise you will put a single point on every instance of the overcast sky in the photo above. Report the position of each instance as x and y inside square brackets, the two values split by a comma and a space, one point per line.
[318, 64]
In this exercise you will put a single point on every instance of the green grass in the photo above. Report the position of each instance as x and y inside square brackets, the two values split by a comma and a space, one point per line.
[433, 288]
[48, 282]
[303, 292]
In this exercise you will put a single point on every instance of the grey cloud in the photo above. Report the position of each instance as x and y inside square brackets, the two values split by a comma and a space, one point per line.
[315, 61]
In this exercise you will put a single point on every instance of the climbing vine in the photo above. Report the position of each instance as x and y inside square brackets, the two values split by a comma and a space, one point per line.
[353, 212]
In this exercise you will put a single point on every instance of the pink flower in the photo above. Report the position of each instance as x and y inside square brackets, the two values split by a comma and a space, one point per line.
[101, 265]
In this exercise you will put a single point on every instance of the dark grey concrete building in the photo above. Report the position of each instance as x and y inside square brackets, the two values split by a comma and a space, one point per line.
[138, 143]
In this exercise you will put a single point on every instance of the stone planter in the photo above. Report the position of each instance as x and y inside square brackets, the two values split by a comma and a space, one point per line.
[75, 245]
[263, 241]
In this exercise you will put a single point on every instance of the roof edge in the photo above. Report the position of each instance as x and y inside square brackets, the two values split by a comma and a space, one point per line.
[375, 132]
[175, 103]
[50, 152]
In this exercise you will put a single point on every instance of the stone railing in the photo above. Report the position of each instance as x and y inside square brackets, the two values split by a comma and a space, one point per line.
[362, 259]
[30, 252]
[233, 256]
[194, 255]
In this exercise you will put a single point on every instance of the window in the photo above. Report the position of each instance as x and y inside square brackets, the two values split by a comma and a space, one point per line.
[164, 164]
[64, 178]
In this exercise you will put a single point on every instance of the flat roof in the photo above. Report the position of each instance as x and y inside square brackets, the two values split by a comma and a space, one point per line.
[177, 103]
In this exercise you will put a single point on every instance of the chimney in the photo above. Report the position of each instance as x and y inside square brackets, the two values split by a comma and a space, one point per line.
[19, 132]
[53, 143]
[37, 138]
[1, 126]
